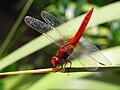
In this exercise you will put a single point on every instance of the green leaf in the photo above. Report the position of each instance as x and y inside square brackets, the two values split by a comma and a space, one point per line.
[55, 79]
[100, 16]
[14, 28]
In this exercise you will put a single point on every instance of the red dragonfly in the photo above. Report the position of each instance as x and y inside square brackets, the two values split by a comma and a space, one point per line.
[75, 48]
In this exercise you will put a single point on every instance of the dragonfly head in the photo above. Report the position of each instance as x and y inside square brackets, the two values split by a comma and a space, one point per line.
[55, 61]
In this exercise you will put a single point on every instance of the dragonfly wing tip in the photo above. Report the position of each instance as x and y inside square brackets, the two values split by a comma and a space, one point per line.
[91, 68]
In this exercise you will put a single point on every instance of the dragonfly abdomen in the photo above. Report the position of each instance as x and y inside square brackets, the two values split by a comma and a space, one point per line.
[81, 29]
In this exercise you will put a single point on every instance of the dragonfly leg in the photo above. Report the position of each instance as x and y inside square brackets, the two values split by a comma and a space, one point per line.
[58, 69]
[65, 63]
[61, 66]
[70, 65]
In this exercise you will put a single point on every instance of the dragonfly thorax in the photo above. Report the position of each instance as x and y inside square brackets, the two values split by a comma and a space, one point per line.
[65, 50]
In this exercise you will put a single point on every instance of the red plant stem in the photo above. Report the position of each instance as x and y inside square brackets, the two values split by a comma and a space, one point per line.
[81, 29]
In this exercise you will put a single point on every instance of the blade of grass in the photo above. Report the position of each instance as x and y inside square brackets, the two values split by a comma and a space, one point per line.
[64, 70]
[55, 79]
[99, 81]
[40, 42]
[99, 16]
[15, 26]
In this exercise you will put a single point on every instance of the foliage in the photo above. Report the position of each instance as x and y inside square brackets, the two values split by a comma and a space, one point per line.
[105, 35]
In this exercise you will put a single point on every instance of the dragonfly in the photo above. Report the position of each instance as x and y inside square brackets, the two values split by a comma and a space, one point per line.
[72, 45]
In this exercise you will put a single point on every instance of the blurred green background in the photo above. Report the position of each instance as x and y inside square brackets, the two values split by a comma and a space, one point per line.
[22, 49]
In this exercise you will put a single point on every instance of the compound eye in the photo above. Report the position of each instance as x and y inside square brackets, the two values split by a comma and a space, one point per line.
[55, 61]
[54, 58]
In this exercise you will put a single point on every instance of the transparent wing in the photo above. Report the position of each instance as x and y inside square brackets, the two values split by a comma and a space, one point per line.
[50, 19]
[88, 55]
[94, 52]
[68, 31]
[83, 57]
[43, 28]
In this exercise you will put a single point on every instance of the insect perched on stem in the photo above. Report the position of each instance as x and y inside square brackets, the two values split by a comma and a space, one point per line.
[74, 48]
